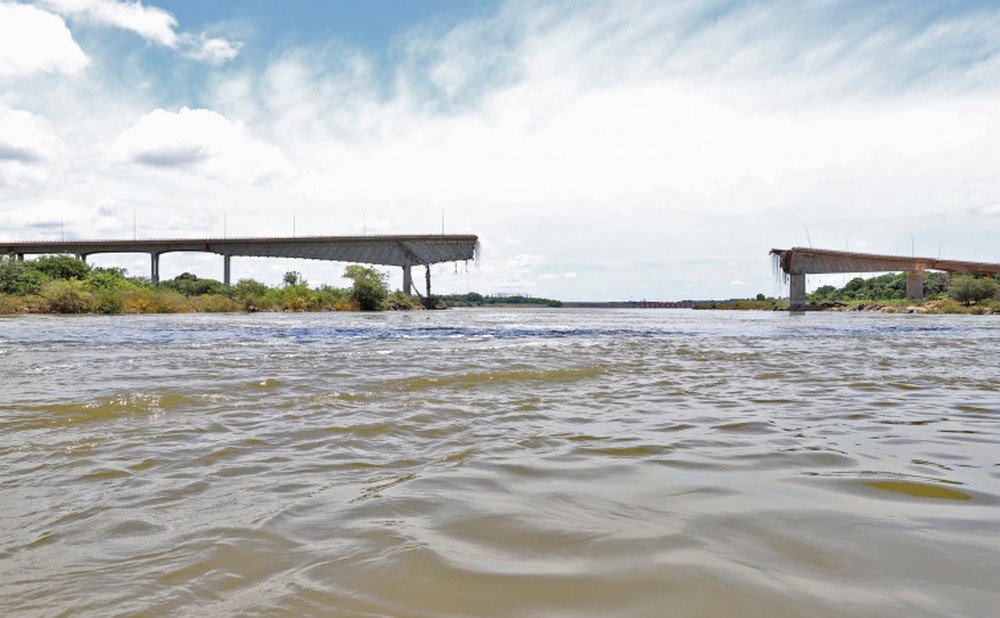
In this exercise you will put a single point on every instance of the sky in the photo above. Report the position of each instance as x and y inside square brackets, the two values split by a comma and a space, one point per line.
[601, 150]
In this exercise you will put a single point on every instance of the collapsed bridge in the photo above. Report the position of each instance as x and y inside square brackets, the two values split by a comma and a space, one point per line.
[405, 251]
[798, 262]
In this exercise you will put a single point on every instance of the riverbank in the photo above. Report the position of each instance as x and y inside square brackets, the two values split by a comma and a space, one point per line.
[937, 306]
[64, 285]
[893, 305]
[146, 301]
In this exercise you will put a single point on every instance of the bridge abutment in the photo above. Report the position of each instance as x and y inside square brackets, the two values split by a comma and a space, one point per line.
[915, 285]
[797, 292]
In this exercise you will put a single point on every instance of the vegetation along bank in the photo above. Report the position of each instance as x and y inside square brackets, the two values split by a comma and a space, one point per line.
[63, 284]
[963, 293]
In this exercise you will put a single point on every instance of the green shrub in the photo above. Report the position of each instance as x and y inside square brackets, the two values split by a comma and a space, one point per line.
[12, 304]
[370, 288]
[967, 289]
[104, 280]
[215, 303]
[168, 301]
[293, 298]
[61, 267]
[328, 298]
[20, 278]
[190, 285]
[145, 300]
[399, 301]
[949, 305]
[109, 300]
[252, 295]
[68, 296]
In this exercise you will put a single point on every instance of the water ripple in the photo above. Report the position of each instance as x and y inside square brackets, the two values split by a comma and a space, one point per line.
[500, 462]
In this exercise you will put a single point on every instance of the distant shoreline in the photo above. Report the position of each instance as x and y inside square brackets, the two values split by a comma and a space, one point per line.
[933, 307]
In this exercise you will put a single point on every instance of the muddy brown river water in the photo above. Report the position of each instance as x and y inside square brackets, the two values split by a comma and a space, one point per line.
[501, 463]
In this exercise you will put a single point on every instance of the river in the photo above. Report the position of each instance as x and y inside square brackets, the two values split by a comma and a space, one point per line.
[501, 462]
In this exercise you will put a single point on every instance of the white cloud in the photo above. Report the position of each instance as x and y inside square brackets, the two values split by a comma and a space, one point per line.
[199, 140]
[54, 217]
[738, 283]
[991, 209]
[151, 23]
[26, 143]
[576, 107]
[25, 137]
[33, 41]
[212, 51]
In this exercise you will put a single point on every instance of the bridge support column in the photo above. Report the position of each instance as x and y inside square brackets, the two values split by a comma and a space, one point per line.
[428, 277]
[407, 280]
[797, 292]
[226, 270]
[81, 257]
[20, 257]
[915, 285]
[154, 273]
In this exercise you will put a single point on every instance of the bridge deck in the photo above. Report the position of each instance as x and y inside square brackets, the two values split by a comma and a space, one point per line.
[802, 260]
[395, 250]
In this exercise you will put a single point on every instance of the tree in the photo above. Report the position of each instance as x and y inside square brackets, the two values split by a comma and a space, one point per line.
[370, 289]
[293, 277]
[822, 294]
[935, 283]
[968, 289]
[20, 278]
[61, 267]
[113, 271]
[190, 285]
[251, 294]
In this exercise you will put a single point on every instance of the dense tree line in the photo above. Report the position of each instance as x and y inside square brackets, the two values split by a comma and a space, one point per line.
[964, 288]
[63, 284]
[474, 299]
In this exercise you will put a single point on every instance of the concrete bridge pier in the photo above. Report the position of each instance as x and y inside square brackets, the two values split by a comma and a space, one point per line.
[407, 279]
[226, 269]
[797, 292]
[428, 276]
[915, 285]
[154, 273]
[82, 257]
[20, 257]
